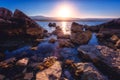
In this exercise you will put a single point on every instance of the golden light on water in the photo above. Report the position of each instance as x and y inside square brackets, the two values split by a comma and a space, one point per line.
[65, 28]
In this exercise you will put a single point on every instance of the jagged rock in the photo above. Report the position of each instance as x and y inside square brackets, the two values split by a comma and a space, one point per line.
[81, 37]
[75, 27]
[5, 13]
[89, 72]
[52, 73]
[118, 43]
[65, 43]
[52, 40]
[102, 55]
[22, 62]
[114, 38]
[18, 30]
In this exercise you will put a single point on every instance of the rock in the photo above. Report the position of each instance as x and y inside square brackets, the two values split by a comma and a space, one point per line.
[28, 76]
[52, 40]
[102, 55]
[52, 73]
[29, 22]
[47, 62]
[114, 38]
[18, 30]
[5, 13]
[34, 48]
[22, 62]
[89, 72]
[81, 37]
[93, 28]
[52, 24]
[118, 44]
[75, 27]
[65, 43]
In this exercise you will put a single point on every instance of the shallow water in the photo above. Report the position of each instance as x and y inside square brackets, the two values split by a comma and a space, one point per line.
[46, 49]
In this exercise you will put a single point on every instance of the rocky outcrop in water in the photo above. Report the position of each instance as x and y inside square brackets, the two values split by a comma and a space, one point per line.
[17, 29]
[78, 36]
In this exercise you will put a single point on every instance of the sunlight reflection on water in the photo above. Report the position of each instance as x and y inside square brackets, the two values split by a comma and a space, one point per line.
[65, 28]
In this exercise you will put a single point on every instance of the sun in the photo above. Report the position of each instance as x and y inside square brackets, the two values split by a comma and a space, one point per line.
[64, 12]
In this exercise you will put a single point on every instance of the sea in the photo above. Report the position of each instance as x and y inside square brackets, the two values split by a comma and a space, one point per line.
[66, 26]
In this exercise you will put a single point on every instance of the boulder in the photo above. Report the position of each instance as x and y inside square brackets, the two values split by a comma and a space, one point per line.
[65, 43]
[102, 55]
[88, 72]
[52, 24]
[118, 44]
[52, 40]
[22, 62]
[81, 37]
[5, 13]
[114, 38]
[75, 27]
[52, 73]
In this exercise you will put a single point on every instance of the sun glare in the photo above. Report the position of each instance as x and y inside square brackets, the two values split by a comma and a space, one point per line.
[64, 12]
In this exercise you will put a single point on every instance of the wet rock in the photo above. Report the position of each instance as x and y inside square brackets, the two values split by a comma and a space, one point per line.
[81, 37]
[65, 43]
[52, 40]
[22, 62]
[75, 27]
[102, 55]
[52, 24]
[52, 73]
[5, 13]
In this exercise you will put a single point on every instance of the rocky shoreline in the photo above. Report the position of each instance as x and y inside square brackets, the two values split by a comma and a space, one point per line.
[66, 57]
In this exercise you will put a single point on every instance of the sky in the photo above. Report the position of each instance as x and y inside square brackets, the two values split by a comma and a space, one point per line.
[77, 8]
